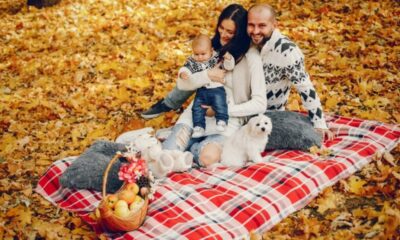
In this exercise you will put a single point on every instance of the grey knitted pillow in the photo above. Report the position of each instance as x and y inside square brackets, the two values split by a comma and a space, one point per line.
[292, 131]
[86, 172]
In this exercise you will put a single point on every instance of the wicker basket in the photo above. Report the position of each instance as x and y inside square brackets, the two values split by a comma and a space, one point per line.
[115, 223]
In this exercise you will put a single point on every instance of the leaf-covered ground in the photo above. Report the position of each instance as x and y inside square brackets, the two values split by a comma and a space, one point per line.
[84, 69]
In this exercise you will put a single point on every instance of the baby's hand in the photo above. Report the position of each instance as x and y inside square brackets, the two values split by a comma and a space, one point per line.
[184, 76]
[227, 56]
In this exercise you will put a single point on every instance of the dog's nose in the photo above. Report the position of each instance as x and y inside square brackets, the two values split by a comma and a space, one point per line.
[263, 129]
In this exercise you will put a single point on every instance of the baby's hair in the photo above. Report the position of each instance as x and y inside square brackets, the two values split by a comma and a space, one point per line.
[201, 39]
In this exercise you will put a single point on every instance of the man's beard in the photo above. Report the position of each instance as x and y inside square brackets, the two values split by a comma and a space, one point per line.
[263, 41]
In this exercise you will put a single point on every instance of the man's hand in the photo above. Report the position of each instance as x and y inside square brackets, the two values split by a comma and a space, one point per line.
[216, 74]
[325, 133]
[184, 76]
[209, 111]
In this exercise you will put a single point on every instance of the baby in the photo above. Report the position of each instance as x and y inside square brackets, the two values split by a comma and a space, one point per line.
[213, 94]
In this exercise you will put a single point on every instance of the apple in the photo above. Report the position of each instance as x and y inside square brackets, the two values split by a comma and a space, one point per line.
[133, 187]
[111, 200]
[134, 207]
[138, 199]
[121, 209]
[137, 204]
[121, 204]
[127, 196]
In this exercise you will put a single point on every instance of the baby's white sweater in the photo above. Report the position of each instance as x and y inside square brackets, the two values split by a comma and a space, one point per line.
[245, 93]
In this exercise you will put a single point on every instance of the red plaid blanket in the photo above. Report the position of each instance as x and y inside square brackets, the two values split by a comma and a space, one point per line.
[227, 203]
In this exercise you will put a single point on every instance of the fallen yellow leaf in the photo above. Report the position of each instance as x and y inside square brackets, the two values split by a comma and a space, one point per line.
[356, 184]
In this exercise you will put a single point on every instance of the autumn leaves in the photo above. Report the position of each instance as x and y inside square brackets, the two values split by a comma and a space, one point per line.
[82, 70]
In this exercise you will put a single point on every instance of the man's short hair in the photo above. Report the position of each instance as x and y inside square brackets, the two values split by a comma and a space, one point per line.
[264, 6]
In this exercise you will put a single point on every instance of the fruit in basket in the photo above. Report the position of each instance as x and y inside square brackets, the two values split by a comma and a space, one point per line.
[134, 207]
[133, 187]
[121, 209]
[115, 214]
[137, 204]
[127, 195]
[138, 199]
[111, 200]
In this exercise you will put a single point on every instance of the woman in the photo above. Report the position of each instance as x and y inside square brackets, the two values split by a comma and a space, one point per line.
[245, 90]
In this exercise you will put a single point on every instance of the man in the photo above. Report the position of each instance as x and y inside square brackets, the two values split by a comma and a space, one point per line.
[283, 64]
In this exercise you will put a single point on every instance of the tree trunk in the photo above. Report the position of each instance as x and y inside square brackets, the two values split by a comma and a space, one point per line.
[42, 3]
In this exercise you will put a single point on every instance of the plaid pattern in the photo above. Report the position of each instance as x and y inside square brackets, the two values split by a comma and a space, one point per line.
[227, 203]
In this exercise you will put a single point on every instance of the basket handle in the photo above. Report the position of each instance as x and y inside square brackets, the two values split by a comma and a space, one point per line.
[105, 176]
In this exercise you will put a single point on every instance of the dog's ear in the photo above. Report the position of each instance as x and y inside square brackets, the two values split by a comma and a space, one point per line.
[269, 121]
[269, 126]
[247, 127]
[250, 126]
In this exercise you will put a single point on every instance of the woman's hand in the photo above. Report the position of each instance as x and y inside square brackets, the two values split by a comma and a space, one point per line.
[209, 111]
[216, 74]
[326, 133]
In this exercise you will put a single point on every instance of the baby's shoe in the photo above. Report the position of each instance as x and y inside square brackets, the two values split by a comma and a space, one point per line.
[221, 126]
[198, 132]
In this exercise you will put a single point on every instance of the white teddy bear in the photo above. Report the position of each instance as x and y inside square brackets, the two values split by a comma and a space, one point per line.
[161, 162]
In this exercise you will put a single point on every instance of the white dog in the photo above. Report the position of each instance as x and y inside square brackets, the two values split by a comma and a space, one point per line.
[247, 143]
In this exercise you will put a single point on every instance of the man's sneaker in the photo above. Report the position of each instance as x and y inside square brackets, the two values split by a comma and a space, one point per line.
[198, 132]
[221, 126]
[156, 110]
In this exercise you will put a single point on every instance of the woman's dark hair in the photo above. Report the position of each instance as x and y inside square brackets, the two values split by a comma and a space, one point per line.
[240, 42]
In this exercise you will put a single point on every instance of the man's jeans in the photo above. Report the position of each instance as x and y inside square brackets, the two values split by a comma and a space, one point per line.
[214, 97]
[176, 98]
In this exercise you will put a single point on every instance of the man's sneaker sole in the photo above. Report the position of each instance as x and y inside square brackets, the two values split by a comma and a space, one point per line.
[150, 116]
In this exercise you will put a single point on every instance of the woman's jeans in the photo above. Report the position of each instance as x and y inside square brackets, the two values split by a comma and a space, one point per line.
[176, 98]
[180, 139]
